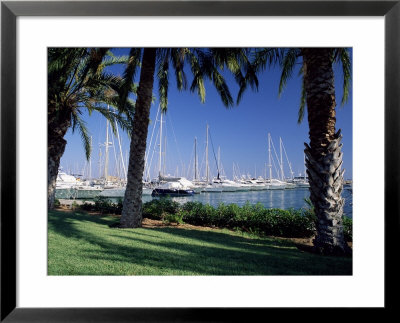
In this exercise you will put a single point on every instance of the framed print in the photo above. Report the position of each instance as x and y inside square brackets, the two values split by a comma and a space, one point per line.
[29, 29]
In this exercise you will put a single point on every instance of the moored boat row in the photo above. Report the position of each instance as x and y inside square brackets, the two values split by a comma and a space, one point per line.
[76, 189]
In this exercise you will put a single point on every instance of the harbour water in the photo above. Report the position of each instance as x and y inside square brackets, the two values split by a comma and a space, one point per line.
[281, 199]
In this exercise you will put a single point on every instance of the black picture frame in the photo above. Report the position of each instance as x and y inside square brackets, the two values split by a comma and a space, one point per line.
[10, 10]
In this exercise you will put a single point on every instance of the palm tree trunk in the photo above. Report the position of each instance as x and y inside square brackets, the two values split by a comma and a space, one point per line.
[55, 149]
[131, 216]
[324, 157]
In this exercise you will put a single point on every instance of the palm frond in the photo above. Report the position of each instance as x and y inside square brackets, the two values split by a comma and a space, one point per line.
[107, 89]
[129, 74]
[267, 57]
[83, 131]
[178, 61]
[204, 65]
[114, 60]
[238, 63]
[198, 81]
[96, 56]
[60, 61]
[62, 66]
[222, 88]
[250, 76]
[344, 57]
[115, 118]
[287, 65]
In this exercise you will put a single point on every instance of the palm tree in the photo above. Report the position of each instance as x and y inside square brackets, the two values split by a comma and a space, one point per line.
[77, 81]
[323, 154]
[203, 64]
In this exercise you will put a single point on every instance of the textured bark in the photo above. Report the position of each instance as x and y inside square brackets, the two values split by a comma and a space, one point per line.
[131, 216]
[323, 155]
[56, 149]
[58, 125]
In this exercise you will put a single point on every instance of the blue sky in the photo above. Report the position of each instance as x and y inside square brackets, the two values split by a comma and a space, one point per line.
[241, 132]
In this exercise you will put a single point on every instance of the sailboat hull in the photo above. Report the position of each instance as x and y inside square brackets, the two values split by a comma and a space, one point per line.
[171, 192]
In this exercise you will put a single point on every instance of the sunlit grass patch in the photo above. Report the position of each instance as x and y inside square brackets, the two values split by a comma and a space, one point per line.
[83, 244]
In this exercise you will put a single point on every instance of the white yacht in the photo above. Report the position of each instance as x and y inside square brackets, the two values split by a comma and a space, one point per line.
[301, 182]
[65, 181]
[68, 186]
[223, 185]
[120, 191]
[276, 184]
[180, 187]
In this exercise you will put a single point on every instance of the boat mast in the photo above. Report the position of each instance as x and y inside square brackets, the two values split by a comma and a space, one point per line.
[207, 175]
[117, 166]
[90, 160]
[126, 159]
[120, 151]
[195, 158]
[165, 155]
[269, 157]
[100, 166]
[106, 160]
[219, 160]
[151, 148]
[265, 170]
[160, 152]
[287, 159]
[304, 167]
[280, 148]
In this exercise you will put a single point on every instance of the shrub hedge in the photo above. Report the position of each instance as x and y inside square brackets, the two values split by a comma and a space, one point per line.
[103, 205]
[253, 218]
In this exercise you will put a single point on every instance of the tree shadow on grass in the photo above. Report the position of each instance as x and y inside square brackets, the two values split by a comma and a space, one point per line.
[178, 251]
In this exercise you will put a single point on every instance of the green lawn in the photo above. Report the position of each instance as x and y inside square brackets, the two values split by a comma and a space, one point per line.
[82, 244]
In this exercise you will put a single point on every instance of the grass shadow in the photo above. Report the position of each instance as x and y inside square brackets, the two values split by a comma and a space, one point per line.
[178, 251]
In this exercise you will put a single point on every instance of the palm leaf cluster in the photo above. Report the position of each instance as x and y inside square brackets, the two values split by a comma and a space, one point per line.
[77, 81]
[288, 58]
[203, 64]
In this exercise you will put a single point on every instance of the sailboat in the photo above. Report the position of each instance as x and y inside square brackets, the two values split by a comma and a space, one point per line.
[219, 183]
[170, 186]
[65, 181]
[198, 184]
[70, 187]
[114, 187]
[274, 184]
[301, 181]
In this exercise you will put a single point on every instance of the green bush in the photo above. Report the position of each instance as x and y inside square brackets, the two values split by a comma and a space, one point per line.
[87, 206]
[103, 205]
[74, 205]
[197, 213]
[283, 223]
[173, 218]
[57, 203]
[310, 212]
[251, 218]
[157, 207]
[348, 228]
